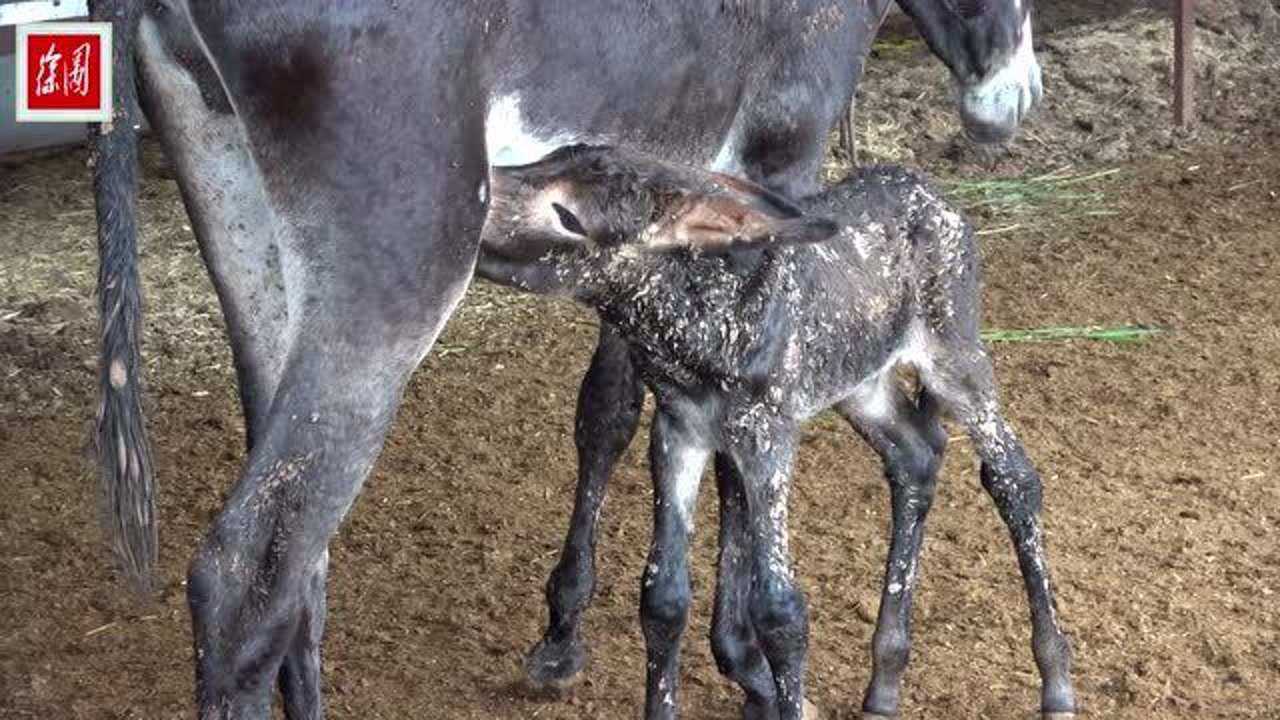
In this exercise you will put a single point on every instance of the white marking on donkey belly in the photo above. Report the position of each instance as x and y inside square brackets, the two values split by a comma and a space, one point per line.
[509, 140]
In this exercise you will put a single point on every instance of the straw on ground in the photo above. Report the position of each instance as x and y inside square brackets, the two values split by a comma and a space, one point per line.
[1059, 190]
[1116, 334]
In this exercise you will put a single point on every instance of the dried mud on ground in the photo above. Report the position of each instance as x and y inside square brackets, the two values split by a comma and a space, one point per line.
[1160, 458]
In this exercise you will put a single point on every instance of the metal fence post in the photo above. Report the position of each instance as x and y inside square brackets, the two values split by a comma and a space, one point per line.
[1184, 75]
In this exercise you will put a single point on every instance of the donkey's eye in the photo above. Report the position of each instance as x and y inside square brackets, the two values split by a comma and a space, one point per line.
[568, 220]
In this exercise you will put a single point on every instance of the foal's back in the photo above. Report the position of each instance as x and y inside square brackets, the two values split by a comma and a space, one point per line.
[901, 274]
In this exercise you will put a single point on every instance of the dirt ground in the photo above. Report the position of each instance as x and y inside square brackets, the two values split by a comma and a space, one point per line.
[1160, 458]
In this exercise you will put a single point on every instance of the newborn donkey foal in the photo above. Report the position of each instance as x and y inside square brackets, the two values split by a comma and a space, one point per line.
[745, 317]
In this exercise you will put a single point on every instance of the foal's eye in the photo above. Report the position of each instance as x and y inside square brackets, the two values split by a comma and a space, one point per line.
[568, 220]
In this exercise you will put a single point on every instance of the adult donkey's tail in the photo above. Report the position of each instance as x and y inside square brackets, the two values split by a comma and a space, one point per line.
[124, 457]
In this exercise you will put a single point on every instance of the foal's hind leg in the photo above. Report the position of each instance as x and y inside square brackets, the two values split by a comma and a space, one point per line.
[965, 382]
[910, 440]
[609, 404]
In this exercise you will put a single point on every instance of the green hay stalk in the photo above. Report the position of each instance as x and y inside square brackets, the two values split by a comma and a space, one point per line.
[1120, 334]
[1019, 196]
[898, 48]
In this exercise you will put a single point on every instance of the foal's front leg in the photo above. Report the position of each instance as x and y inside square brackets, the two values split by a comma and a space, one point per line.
[763, 451]
[677, 457]
[733, 637]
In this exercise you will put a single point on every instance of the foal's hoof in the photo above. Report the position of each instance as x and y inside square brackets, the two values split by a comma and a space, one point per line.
[556, 666]
[878, 716]
[1059, 716]
[811, 711]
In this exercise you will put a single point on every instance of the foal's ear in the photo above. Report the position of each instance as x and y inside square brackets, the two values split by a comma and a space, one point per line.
[722, 223]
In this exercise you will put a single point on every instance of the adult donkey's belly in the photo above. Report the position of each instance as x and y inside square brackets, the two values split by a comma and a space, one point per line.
[740, 90]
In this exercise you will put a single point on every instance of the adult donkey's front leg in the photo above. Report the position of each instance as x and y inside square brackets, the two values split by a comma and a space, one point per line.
[609, 404]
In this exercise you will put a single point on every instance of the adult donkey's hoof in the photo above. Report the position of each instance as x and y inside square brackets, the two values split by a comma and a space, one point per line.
[557, 666]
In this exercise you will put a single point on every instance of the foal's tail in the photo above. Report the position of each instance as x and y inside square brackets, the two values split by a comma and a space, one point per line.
[124, 456]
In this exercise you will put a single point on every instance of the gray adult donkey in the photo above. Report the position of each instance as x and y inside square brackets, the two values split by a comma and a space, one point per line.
[334, 157]
[743, 328]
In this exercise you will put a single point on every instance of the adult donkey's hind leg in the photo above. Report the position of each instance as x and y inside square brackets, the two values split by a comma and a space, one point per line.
[234, 227]
[256, 584]
[377, 227]
[609, 405]
[223, 194]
